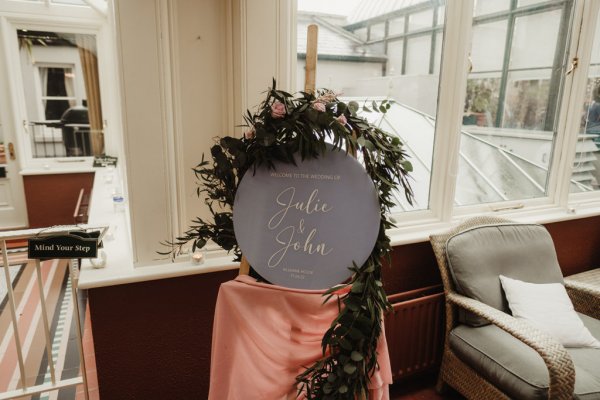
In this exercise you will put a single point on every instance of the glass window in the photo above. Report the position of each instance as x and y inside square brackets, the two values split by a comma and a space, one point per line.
[586, 166]
[395, 52]
[483, 7]
[58, 93]
[487, 46]
[418, 55]
[62, 93]
[420, 20]
[525, 3]
[510, 108]
[396, 26]
[361, 33]
[375, 72]
[377, 31]
[534, 40]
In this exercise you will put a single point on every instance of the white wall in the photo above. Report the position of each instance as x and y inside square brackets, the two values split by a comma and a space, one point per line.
[189, 69]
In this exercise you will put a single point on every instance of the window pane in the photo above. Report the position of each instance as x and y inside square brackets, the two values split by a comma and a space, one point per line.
[62, 93]
[510, 108]
[586, 166]
[527, 96]
[377, 32]
[420, 20]
[361, 33]
[490, 6]
[395, 52]
[525, 3]
[376, 71]
[487, 46]
[396, 26]
[418, 55]
[534, 40]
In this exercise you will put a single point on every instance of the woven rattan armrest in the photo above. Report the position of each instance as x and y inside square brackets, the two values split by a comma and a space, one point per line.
[560, 366]
[585, 297]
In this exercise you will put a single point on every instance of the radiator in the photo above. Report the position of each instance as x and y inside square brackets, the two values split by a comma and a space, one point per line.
[414, 331]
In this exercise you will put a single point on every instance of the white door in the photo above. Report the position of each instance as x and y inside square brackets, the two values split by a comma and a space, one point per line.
[13, 210]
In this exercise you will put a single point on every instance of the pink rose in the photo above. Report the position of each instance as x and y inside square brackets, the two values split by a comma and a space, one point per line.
[319, 106]
[342, 119]
[277, 109]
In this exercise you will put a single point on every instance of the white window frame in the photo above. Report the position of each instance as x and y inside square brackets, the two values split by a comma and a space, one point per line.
[62, 18]
[559, 204]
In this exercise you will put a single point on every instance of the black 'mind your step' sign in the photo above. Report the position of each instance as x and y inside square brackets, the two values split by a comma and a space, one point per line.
[69, 245]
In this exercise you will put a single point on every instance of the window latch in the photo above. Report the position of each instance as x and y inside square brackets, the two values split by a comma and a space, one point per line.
[574, 64]
[506, 208]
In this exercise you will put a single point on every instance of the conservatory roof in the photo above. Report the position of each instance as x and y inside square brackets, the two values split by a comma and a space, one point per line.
[487, 172]
[334, 42]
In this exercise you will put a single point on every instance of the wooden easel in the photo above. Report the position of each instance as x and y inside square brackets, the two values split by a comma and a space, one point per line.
[310, 77]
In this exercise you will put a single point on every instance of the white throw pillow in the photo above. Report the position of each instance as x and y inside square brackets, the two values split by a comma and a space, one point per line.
[549, 308]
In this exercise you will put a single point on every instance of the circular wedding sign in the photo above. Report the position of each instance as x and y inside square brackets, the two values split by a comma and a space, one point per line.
[302, 226]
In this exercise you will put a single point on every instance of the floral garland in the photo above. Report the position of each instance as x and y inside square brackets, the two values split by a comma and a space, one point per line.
[284, 125]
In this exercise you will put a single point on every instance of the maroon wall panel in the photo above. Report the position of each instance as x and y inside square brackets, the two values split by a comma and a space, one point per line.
[51, 199]
[413, 266]
[577, 244]
[152, 339]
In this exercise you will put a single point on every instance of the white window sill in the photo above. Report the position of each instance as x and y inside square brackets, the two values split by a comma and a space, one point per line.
[119, 268]
[62, 165]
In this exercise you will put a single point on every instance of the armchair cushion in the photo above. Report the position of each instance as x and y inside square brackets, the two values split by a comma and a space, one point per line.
[478, 256]
[548, 306]
[517, 369]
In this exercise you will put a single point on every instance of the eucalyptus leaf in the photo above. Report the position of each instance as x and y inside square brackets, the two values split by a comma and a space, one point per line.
[349, 368]
[356, 356]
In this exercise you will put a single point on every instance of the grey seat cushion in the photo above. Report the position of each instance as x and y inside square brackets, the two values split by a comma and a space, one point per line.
[476, 258]
[517, 369]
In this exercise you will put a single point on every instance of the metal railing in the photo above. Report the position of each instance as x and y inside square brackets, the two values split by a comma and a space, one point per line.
[51, 139]
[55, 383]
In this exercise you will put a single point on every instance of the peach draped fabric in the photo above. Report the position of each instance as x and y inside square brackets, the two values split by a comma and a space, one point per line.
[263, 335]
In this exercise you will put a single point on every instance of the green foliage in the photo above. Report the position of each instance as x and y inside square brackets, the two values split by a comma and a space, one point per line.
[304, 124]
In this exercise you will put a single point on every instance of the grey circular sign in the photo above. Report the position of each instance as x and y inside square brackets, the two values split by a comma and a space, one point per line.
[303, 226]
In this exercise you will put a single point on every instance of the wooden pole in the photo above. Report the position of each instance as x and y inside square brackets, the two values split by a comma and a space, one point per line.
[309, 86]
[310, 74]
[244, 266]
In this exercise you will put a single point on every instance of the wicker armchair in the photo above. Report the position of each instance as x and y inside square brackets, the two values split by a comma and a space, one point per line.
[583, 291]
[470, 376]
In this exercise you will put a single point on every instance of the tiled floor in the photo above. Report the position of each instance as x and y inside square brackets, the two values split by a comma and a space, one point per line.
[90, 361]
[64, 349]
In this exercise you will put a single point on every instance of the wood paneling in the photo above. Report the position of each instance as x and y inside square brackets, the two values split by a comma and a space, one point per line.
[51, 199]
[152, 340]
[577, 244]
